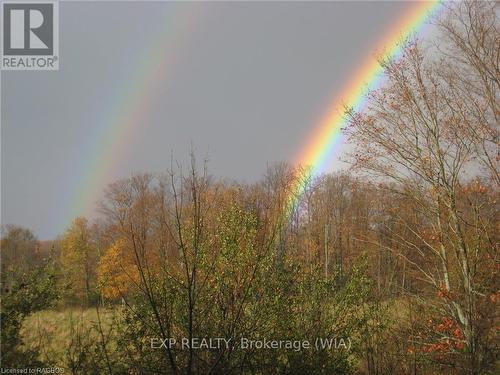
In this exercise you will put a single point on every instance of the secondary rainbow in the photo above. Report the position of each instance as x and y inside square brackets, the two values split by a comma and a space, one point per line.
[128, 105]
[319, 152]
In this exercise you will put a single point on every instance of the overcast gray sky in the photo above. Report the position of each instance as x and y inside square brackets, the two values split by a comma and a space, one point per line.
[244, 82]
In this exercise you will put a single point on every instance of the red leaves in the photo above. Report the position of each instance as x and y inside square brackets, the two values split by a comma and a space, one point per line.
[452, 337]
[446, 325]
[495, 297]
[443, 292]
[440, 347]
[446, 337]
[457, 333]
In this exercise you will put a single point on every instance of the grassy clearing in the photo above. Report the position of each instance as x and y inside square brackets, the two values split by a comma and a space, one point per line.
[57, 333]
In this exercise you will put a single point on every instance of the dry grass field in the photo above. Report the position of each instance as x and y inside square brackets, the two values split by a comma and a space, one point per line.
[60, 334]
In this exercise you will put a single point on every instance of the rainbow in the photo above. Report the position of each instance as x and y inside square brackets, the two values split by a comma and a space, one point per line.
[318, 153]
[127, 110]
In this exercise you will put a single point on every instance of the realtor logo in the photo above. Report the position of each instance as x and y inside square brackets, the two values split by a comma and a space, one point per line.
[30, 35]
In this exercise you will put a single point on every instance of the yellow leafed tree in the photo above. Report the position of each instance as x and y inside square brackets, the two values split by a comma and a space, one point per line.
[79, 260]
[117, 271]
